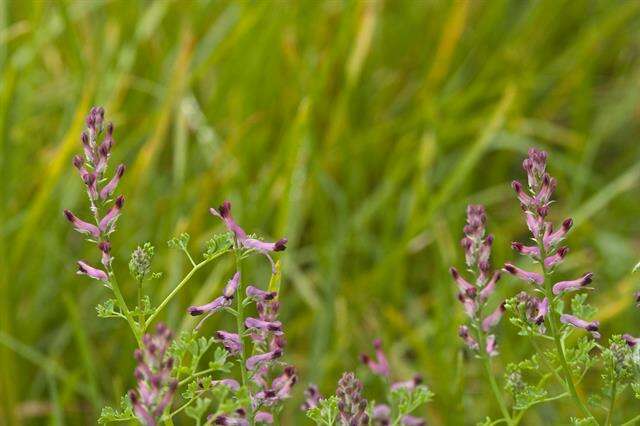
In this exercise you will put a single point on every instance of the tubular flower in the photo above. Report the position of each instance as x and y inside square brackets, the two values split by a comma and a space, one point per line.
[591, 326]
[573, 285]
[471, 343]
[530, 277]
[408, 384]
[92, 169]
[224, 212]
[231, 341]
[493, 319]
[85, 269]
[156, 387]
[380, 366]
[312, 398]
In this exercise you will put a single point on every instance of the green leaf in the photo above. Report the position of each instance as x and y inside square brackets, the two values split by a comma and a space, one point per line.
[217, 244]
[109, 309]
[325, 412]
[124, 414]
[404, 400]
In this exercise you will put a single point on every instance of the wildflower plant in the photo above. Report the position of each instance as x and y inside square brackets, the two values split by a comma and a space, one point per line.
[173, 375]
[349, 407]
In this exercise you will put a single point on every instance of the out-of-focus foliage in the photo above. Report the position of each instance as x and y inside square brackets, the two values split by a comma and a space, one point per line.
[360, 130]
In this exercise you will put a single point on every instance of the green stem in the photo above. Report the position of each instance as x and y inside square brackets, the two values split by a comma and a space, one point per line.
[612, 401]
[140, 310]
[553, 326]
[179, 287]
[240, 329]
[135, 329]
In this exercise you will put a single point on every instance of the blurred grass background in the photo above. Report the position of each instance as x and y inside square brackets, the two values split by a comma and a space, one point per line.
[360, 130]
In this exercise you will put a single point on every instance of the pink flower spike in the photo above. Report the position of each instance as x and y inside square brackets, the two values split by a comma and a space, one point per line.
[488, 290]
[494, 318]
[573, 285]
[530, 277]
[526, 250]
[113, 183]
[107, 222]
[590, 326]
[552, 238]
[231, 287]
[552, 261]
[85, 269]
[82, 226]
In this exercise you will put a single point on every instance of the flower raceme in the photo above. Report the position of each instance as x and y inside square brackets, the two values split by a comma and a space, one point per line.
[474, 295]
[156, 387]
[92, 168]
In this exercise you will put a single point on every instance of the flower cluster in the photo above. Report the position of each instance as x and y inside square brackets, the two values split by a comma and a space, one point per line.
[156, 387]
[474, 295]
[93, 168]
[547, 250]
[352, 405]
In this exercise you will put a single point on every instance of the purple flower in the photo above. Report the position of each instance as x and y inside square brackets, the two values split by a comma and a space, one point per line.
[156, 387]
[523, 197]
[312, 398]
[213, 306]
[380, 366]
[254, 361]
[230, 383]
[258, 324]
[631, 341]
[412, 421]
[556, 258]
[469, 304]
[260, 295]
[231, 341]
[224, 212]
[381, 414]
[463, 332]
[590, 326]
[526, 250]
[231, 287]
[552, 238]
[98, 274]
[488, 290]
[237, 419]
[263, 417]
[408, 384]
[463, 285]
[494, 318]
[82, 226]
[108, 189]
[573, 285]
[105, 248]
[107, 222]
[531, 277]
[492, 346]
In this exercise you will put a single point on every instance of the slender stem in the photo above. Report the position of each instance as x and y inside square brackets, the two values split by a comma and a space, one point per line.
[488, 367]
[179, 287]
[612, 400]
[240, 329]
[140, 310]
[549, 366]
[135, 329]
[553, 326]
